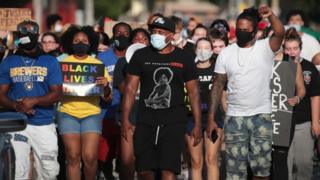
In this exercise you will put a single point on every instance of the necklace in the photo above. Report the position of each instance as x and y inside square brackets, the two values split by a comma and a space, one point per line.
[28, 85]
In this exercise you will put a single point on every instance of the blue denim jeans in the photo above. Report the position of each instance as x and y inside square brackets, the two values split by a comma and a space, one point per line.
[248, 139]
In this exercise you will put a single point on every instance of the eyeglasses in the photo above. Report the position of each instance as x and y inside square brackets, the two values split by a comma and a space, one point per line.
[48, 42]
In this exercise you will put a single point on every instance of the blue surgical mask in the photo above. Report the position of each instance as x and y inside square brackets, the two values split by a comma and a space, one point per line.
[158, 41]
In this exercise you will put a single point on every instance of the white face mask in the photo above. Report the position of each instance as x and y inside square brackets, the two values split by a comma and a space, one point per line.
[204, 54]
[318, 67]
[58, 28]
[195, 39]
[177, 42]
[296, 26]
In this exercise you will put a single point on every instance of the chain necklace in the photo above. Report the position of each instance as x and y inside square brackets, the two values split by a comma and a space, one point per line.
[28, 85]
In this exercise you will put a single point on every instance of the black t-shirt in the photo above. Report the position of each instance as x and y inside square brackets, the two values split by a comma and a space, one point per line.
[119, 73]
[206, 76]
[302, 111]
[205, 83]
[162, 78]
[119, 76]
[190, 48]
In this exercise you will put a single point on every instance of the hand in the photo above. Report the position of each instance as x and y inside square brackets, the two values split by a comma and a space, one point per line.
[107, 94]
[211, 126]
[196, 134]
[102, 81]
[294, 101]
[315, 128]
[26, 105]
[31, 112]
[265, 11]
[126, 128]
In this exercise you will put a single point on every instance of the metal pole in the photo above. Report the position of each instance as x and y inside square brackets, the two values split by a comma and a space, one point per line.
[89, 12]
[53, 6]
[37, 9]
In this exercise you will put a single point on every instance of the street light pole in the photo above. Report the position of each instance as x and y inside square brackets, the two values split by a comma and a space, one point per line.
[89, 12]
[37, 9]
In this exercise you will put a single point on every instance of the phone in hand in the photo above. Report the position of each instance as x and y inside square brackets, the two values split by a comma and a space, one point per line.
[214, 136]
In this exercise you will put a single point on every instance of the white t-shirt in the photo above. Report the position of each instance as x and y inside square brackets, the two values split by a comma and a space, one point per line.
[249, 72]
[310, 47]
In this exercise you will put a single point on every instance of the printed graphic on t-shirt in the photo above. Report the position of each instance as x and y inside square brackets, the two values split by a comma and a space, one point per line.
[307, 76]
[161, 94]
[28, 75]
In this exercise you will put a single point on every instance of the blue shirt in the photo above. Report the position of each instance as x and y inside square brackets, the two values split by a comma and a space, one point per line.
[109, 59]
[30, 77]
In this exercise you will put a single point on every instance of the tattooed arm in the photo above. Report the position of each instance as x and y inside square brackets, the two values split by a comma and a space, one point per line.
[215, 100]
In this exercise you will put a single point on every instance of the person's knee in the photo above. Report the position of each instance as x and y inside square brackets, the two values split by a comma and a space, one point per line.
[73, 159]
[50, 169]
[146, 174]
[90, 160]
[166, 174]
[196, 163]
[211, 160]
[127, 159]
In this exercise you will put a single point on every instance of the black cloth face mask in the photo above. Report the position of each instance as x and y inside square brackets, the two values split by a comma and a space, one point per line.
[29, 41]
[121, 42]
[244, 37]
[80, 49]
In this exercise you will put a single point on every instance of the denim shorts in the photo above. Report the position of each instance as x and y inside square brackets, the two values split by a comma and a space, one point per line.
[68, 124]
[248, 139]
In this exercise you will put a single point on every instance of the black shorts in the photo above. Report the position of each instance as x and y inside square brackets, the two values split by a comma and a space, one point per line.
[163, 155]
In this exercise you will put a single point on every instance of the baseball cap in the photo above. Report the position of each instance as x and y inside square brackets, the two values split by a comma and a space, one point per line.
[221, 25]
[163, 23]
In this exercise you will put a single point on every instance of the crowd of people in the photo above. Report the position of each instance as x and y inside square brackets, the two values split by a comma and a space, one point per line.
[172, 94]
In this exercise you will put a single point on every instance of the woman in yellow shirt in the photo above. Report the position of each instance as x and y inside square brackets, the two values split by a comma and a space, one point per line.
[79, 120]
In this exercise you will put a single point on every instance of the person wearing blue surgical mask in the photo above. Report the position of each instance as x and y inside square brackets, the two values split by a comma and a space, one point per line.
[163, 71]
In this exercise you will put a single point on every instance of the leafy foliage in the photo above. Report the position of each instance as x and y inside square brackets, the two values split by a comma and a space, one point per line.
[111, 8]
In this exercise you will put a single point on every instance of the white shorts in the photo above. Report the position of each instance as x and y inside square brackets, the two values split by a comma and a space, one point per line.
[44, 144]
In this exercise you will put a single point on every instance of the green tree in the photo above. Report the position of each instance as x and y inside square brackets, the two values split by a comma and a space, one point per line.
[111, 8]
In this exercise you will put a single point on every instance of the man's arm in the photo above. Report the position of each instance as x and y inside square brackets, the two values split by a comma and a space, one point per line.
[4, 99]
[132, 83]
[315, 106]
[194, 97]
[215, 100]
[300, 89]
[279, 31]
[27, 103]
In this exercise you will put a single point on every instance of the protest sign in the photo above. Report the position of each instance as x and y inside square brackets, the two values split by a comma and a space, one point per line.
[79, 79]
[283, 88]
[11, 17]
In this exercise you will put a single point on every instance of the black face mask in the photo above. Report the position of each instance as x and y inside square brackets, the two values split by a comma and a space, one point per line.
[33, 38]
[80, 49]
[121, 42]
[243, 37]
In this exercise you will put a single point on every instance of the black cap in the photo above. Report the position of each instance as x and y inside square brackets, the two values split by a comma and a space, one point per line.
[221, 25]
[163, 23]
[23, 27]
